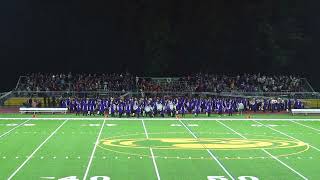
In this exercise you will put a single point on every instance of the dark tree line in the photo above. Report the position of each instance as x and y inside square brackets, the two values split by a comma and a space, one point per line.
[165, 37]
[208, 35]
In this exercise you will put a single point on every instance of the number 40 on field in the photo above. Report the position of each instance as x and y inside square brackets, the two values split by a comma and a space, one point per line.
[239, 178]
[92, 178]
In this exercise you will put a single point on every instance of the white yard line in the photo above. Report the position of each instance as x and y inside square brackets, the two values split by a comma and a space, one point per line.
[93, 151]
[30, 156]
[151, 151]
[160, 119]
[210, 153]
[155, 164]
[275, 158]
[287, 135]
[4, 134]
[306, 126]
[145, 129]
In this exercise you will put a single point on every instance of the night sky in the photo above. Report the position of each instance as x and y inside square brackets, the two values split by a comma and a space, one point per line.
[159, 38]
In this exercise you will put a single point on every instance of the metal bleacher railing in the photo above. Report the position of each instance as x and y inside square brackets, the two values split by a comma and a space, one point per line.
[307, 84]
[310, 97]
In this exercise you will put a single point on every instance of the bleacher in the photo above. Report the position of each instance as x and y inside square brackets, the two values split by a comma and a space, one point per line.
[43, 110]
[197, 82]
[49, 89]
[305, 111]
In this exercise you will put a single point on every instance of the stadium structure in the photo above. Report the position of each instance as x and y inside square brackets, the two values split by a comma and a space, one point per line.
[120, 126]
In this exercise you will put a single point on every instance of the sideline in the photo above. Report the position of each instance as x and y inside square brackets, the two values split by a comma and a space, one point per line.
[162, 119]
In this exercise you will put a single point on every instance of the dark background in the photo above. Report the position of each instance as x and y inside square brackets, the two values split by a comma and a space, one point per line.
[160, 37]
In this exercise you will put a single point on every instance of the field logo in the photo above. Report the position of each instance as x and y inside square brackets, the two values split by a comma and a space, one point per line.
[136, 144]
[204, 143]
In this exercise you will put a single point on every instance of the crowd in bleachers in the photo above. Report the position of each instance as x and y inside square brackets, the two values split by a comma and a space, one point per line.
[223, 83]
[169, 106]
[193, 83]
[77, 82]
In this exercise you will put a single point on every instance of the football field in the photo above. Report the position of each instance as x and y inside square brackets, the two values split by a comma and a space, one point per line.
[168, 149]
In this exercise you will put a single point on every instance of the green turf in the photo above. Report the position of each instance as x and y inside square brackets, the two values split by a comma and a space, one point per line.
[182, 149]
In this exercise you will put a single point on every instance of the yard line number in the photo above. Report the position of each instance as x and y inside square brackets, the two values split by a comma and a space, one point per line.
[209, 178]
[239, 178]
[91, 178]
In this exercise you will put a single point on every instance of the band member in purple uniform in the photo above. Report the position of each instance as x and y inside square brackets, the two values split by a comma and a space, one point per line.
[120, 109]
[230, 109]
[138, 111]
[73, 106]
[128, 109]
[91, 107]
[84, 108]
[183, 110]
[208, 109]
[101, 108]
[112, 109]
[196, 110]
[219, 108]
[78, 107]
